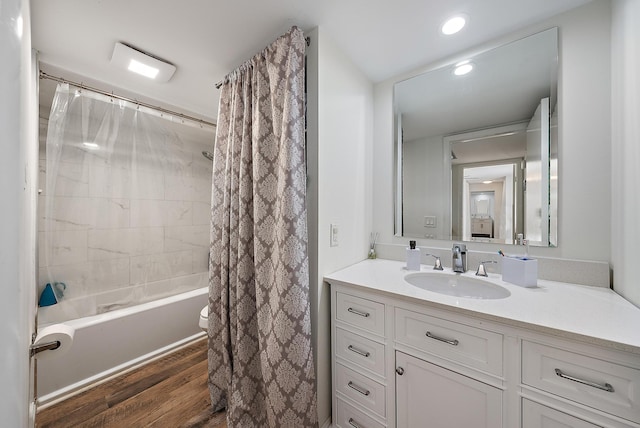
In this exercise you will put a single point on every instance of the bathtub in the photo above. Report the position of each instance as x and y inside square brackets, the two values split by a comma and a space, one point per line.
[112, 342]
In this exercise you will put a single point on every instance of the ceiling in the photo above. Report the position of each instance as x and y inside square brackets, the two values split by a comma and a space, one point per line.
[206, 39]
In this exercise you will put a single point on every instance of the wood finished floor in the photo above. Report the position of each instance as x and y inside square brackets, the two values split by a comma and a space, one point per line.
[169, 392]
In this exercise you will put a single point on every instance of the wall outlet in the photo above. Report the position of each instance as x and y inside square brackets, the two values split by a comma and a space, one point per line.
[430, 221]
[333, 237]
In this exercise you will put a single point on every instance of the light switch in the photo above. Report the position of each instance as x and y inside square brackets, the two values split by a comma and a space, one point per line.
[333, 238]
[429, 221]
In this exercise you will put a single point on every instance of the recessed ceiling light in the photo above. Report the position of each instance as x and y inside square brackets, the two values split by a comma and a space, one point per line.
[453, 25]
[463, 68]
[487, 182]
[142, 63]
[92, 146]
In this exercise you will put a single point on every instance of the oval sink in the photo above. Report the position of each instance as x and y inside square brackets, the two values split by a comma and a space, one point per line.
[457, 285]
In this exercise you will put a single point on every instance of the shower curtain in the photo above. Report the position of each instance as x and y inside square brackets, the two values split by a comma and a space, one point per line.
[125, 206]
[260, 355]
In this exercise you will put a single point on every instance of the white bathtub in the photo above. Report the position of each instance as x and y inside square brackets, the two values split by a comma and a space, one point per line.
[110, 343]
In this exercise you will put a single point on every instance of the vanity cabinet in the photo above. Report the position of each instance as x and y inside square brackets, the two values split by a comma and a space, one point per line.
[360, 369]
[482, 227]
[399, 362]
[429, 395]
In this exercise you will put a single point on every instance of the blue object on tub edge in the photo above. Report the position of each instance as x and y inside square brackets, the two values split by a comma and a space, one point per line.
[52, 294]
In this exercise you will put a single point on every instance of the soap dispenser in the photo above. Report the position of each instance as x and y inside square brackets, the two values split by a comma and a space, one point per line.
[413, 256]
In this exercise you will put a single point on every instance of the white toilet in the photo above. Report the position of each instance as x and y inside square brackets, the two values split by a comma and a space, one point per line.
[204, 318]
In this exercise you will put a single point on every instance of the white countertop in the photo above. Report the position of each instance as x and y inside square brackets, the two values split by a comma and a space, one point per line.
[593, 314]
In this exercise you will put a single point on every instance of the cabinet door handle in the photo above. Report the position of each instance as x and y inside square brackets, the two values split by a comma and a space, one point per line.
[358, 388]
[453, 342]
[354, 424]
[400, 371]
[606, 387]
[357, 351]
[357, 312]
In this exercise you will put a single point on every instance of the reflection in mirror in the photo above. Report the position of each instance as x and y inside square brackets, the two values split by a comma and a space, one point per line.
[477, 153]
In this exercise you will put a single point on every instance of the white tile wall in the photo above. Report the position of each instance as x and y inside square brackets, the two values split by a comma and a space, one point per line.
[105, 244]
[202, 213]
[62, 247]
[125, 233]
[71, 213]
[150, 213]
[89, 277]
[186, 238]
[155, 267]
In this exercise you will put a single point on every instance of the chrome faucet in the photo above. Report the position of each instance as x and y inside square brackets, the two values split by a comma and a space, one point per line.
[437, 264]
[482, 271]
[459, 258]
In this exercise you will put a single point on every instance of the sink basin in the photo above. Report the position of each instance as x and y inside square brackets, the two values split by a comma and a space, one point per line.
[457, 285]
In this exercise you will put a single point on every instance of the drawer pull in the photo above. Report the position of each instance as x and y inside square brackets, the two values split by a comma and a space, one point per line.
[357, 351]
[354, 424]
[453, 342]
[361, 390]
[606, 387]
[357, 312]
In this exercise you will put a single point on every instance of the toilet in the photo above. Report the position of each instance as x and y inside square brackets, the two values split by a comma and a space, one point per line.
[204, 318]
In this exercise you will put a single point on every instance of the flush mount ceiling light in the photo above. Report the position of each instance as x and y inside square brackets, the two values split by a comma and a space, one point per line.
[453, 25]
[142, 63]
[463, 68]
[91, 146]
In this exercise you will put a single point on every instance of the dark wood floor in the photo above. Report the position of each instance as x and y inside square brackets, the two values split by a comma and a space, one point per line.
[169, 392]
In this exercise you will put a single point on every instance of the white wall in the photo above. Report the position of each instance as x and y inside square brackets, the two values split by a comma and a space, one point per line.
[625, 203]
[585, 151]
[343, 103]
[18, 175]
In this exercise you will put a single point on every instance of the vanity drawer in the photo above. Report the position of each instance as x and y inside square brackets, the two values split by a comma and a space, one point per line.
[470, 346]
[362, 313]
[361, 389]
[604, 385]
[536, 415]
[350, 417]
[361, 351]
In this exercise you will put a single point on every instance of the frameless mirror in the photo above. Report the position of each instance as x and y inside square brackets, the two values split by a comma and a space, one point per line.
[476, 147]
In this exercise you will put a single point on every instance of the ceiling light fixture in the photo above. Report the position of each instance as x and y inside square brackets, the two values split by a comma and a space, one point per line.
[92, 146]
[453, 25]
[144, 69]
[463, 68]
[487, 182]
[147, 65]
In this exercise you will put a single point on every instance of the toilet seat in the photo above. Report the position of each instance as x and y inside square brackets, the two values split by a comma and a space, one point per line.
[204, 318]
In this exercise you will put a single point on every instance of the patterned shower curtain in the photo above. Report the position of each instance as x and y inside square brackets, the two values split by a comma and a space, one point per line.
[260, 355]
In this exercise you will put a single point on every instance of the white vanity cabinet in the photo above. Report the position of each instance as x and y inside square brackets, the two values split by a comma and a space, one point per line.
[430, 390]
[588, 382]
[430, 395]
[399, 362]
[359, 363]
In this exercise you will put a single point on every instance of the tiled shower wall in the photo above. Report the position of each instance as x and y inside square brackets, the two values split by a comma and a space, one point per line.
[145, 244]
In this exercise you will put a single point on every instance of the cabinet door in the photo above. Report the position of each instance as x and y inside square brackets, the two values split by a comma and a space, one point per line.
[431, 396]
[535, 415]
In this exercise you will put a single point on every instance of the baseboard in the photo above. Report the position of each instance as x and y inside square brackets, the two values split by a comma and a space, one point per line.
[327, 423]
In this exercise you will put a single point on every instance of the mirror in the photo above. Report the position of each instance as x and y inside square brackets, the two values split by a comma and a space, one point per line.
[476, 147]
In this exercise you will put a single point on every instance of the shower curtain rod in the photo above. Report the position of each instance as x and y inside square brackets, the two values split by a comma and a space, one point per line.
[44, 75]
[306, 39]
